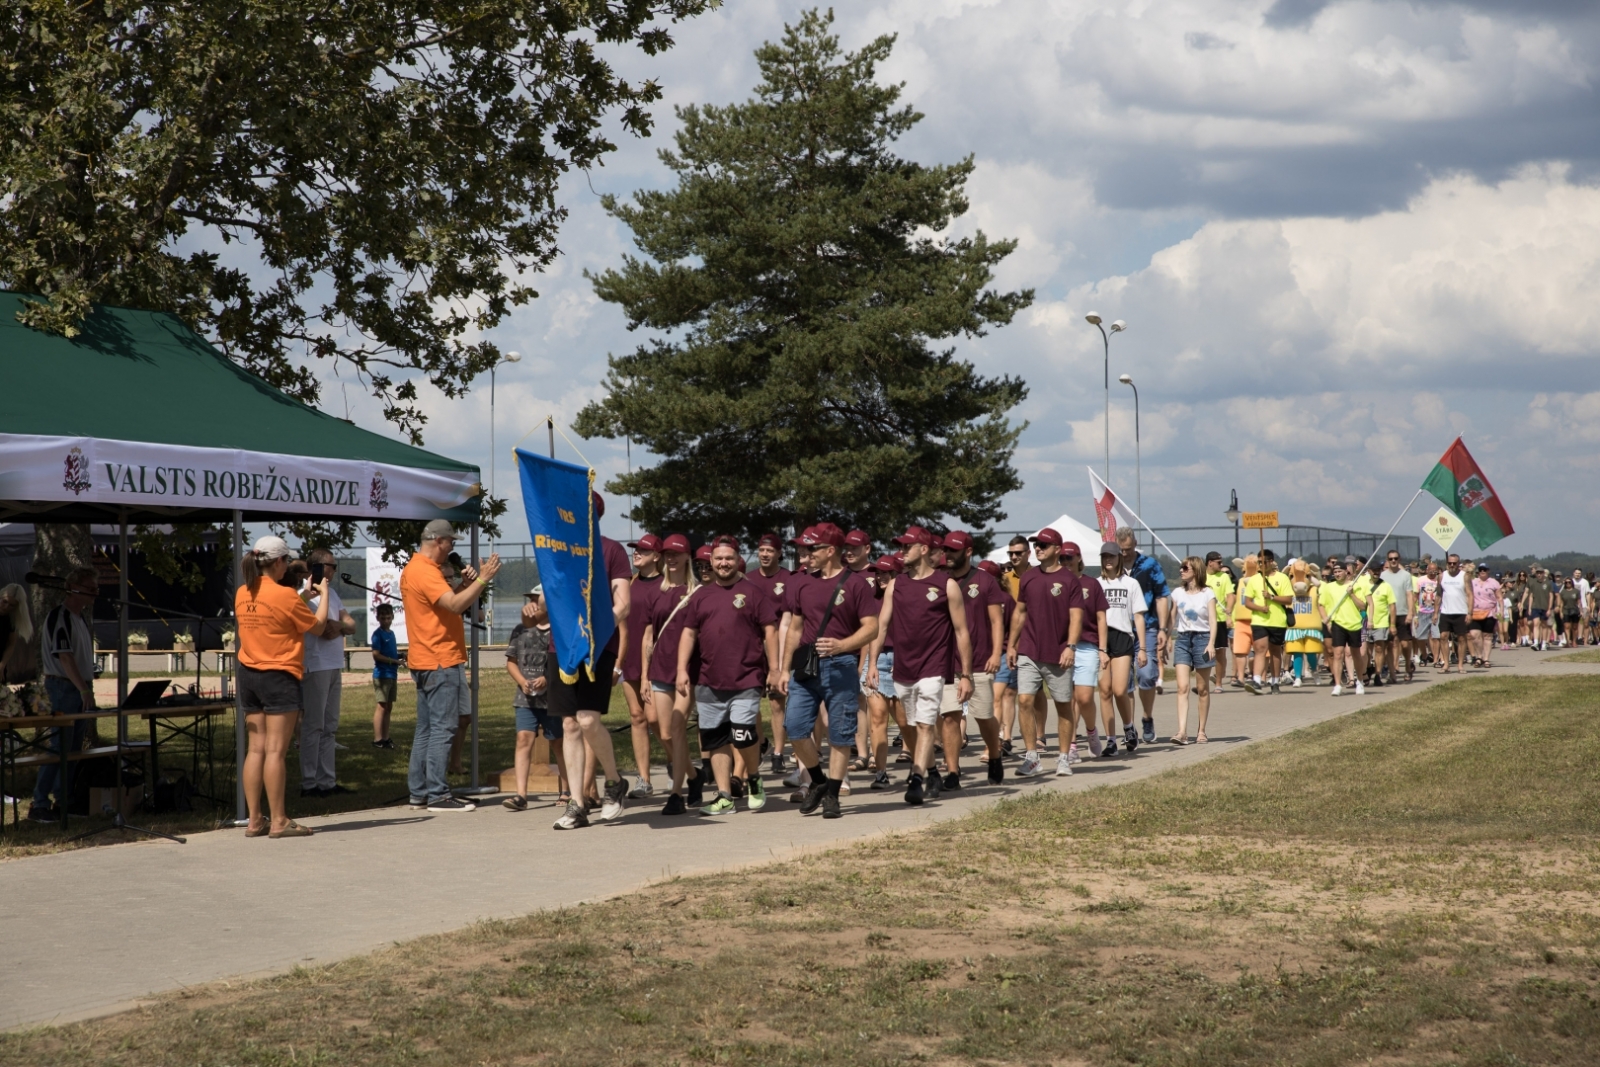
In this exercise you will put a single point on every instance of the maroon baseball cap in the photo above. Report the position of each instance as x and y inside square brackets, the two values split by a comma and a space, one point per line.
[741, 565]
[958, 540]
[648, 543]
[888, 564]
[826, 533]
[770, 539]
[858, 538]
[1070, 548]
[599, 504]
[703, 554]
[805, 538]
[1047, 536]
[675, 543]
[725, 539]
[916, 535]
[990, 567]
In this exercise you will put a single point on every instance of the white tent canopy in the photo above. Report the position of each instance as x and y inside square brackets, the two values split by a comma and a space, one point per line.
[1087, 537]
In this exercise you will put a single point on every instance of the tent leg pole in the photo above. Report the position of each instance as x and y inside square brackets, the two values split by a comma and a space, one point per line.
[474, 616]
[241, 813]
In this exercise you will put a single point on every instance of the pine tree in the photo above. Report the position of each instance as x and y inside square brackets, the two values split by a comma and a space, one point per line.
[798, 283]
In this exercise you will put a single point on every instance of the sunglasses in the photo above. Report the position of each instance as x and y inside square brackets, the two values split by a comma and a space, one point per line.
[1069, 555]
[1016, 552]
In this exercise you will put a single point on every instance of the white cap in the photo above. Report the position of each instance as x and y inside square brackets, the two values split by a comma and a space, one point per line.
[270, 547]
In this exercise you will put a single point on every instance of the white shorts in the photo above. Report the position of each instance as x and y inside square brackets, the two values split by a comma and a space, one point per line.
[981, 706]
[925, 699]
[1033, 676]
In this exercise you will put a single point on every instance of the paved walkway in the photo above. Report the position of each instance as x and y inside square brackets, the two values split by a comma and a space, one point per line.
[93, 930]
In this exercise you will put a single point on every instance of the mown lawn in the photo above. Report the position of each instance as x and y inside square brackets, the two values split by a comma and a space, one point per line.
[1412, 884]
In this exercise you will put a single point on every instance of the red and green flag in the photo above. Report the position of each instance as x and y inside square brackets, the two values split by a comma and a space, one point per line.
[1459, 484]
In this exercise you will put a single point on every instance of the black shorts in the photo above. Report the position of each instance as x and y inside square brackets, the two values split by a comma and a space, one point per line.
[1120, 645]
[1222, 635]
[1455, 625]
[1339, 637]
[1572, 618]
[271, 692]
[1402, 626]
[585, 694]
[1272, 634]
[1486, 626]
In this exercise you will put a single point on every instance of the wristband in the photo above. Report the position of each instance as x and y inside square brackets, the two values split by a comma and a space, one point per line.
[481, 582]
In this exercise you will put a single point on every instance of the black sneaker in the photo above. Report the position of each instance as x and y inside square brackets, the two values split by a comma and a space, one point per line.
[952, 781]
[574, 818]
[1130, 737]
[337, 790]
[1150, 725]
[1274, 688]
[882, 781]
[675, 805]
[777, 763]
[897, 742]
[385, 743]
[452, 804]
[997, 772]
[830, 805]
[813, 798]
[312, 792]
[43, 814]
[1006, 750]
[697, 793]
[934, 786]
[737, 790]
[1110, 749]
[914, 790]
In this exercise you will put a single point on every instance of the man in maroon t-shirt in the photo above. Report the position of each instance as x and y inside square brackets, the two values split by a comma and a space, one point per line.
[1044, 630]
[852, 623]
[641, 709]
[773, 579]
[1091, 658]
[924, 614]
[736, 626]
[586, 699]
[985, 603]
[858, 557]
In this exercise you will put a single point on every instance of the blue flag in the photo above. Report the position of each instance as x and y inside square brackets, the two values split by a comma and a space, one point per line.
[559, 499]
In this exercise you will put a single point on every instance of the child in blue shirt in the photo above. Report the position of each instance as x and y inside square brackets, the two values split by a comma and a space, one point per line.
[385, 674]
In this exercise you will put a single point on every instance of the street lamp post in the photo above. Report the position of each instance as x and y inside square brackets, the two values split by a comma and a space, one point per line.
[509, 357]
[1138, 457]
[1093, 318]
[1232, 515]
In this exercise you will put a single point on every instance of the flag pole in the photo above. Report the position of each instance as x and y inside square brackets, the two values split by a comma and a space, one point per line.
[1375, 551]
[1135, 514]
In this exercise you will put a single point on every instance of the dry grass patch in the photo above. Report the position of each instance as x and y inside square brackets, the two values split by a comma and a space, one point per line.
[1419, 883]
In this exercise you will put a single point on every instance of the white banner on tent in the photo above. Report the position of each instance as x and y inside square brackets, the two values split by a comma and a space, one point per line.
[156, 475]
[383, 583]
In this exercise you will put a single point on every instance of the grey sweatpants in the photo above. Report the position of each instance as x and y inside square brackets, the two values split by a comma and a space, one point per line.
[319, 728]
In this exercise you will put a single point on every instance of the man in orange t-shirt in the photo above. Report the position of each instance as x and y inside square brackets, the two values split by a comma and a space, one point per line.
[436, 650]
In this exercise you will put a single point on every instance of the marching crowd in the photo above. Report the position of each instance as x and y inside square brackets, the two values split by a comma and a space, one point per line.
[924, 637]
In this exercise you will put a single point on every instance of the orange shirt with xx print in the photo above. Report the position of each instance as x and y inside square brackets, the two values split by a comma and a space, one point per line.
[437, 638]
[273, 622]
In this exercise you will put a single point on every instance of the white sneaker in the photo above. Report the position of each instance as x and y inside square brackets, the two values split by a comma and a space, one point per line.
[1336, 690]
[1063, 766]
[844, 786]
[794, 777]
[1072, 755]
[1096, 745]
[1296, 683]
[1360, 689]
[1030, 765]
[642, 790]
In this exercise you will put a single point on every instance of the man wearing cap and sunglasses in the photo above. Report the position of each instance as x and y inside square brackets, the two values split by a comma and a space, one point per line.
[772, 578]
[834, 616]
[436, 652]
[923, 612]
[985, 604]
[1045, 629]
[641, 708]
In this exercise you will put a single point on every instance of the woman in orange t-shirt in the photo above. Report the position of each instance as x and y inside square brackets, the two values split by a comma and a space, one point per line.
[273, 622]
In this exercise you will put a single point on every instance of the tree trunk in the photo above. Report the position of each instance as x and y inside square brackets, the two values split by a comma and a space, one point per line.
[57, 548]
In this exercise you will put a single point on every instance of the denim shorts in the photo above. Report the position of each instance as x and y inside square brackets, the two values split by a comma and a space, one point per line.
[1007, 674]
[885, 675]
[1150, 673]
[837, 684]
[1192, 649]
[1086, 664]
[538, 720]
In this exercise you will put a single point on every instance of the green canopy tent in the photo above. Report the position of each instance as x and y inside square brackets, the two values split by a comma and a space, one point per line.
[138, 419]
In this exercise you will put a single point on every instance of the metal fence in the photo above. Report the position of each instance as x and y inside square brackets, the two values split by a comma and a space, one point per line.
[518, 573]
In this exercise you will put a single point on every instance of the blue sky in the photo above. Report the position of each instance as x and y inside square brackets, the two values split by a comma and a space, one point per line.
[1341, 234]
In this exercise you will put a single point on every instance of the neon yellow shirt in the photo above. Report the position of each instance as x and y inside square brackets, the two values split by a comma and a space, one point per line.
[1380, 609]
[1221, 586]
[1256, 589]
[1348, 615]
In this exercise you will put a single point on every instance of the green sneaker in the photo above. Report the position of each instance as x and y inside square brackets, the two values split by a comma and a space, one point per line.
[721, 805]
[756, 793]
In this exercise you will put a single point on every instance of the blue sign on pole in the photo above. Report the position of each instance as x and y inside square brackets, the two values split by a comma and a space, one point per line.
[559, 500]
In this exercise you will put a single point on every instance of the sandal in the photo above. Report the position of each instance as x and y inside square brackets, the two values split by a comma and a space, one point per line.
[564, 797]
[859, 764]
[252, 831]
[294, 829]
[1201, 739]
[1181, 741]
[515, 803]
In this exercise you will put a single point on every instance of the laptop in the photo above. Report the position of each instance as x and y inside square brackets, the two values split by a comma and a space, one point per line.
[146, 694]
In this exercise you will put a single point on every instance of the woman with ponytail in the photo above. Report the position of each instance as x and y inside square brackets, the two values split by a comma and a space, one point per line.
[273, 621]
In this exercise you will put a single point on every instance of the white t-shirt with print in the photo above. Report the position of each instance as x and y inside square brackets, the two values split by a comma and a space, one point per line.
[1191, 609]
[1124, 597]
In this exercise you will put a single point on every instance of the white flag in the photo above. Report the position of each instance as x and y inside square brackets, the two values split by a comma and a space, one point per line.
[1113, 513]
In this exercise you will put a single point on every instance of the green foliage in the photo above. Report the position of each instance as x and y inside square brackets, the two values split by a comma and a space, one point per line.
[796, 278]
[388, 167]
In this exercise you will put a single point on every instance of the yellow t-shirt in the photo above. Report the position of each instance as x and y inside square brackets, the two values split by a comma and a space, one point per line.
[1256, 589]
[1221, 586]
[1380, 609]
[1348, 615]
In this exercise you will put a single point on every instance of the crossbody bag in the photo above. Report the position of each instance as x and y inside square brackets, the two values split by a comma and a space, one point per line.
[805, 663]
